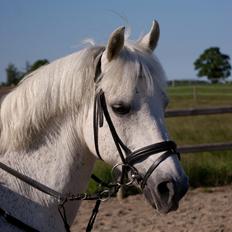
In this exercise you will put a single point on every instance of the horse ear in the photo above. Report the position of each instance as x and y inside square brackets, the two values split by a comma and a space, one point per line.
[115, 43]
[150, 40]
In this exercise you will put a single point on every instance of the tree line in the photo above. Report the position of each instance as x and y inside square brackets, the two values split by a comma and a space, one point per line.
[14, 75]
[211, 63]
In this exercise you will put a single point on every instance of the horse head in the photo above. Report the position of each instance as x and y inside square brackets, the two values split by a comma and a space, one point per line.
[133, 83]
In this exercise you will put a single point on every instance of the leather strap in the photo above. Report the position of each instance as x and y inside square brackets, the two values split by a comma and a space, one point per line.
[128, 157]
[35, 184]
[97, 122]
[143, 153]
[153, 167]
[93, 216]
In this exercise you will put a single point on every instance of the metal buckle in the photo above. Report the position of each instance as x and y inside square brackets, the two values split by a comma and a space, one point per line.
[132, 171]
[84, 197]
[105, 195]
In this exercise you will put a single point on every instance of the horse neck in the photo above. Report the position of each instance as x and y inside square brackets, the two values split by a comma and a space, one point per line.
[47, 144]
[42, 119]
[62, 163]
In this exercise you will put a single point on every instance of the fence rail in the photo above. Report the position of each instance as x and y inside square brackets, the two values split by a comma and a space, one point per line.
[205, 147]
[198, 111]
[201, 111]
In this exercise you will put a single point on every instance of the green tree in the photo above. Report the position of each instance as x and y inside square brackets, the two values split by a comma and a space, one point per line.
[213, 64]
[37, 64]
[12, 75]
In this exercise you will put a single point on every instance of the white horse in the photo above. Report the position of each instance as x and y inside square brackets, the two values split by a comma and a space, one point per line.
[46, 126]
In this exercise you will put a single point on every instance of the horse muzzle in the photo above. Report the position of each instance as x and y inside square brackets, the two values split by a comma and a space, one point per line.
[166, 194]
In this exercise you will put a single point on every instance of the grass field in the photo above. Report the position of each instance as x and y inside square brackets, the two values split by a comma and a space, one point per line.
[203, 169]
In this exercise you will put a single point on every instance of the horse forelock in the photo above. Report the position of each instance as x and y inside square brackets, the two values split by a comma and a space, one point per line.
[132, 65]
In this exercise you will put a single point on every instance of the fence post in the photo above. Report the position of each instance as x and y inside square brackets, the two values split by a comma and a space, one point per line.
[194, 93]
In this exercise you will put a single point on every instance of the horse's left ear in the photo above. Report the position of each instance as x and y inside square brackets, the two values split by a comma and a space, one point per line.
[115, 43]
[150, 40]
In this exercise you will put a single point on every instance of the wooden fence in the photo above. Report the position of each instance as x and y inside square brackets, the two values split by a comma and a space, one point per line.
[202, 111]
[198, 111]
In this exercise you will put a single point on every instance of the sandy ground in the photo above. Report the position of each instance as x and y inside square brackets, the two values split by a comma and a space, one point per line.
[201, 210]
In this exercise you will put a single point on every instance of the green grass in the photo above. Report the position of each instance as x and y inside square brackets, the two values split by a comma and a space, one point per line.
[203, 169]
[208, 169]
[103, 171]
[200, 96]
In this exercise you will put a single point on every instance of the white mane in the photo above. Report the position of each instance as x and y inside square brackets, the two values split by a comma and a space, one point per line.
[63, 88]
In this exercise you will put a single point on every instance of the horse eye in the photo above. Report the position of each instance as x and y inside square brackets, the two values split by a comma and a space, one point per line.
[121, 109]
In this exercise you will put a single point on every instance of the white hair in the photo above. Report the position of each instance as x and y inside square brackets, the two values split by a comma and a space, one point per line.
[63, 87]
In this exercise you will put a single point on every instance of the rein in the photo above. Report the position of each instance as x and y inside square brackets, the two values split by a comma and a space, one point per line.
[128, 160]
[61, 198]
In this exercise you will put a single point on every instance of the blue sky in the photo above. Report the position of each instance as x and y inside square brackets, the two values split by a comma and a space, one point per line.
[32, 29]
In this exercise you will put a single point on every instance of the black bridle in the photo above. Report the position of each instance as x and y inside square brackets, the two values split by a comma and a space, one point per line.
[129, 159]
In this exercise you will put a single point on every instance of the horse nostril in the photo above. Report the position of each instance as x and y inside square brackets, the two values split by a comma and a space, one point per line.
[166, 191]
[162, 188]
